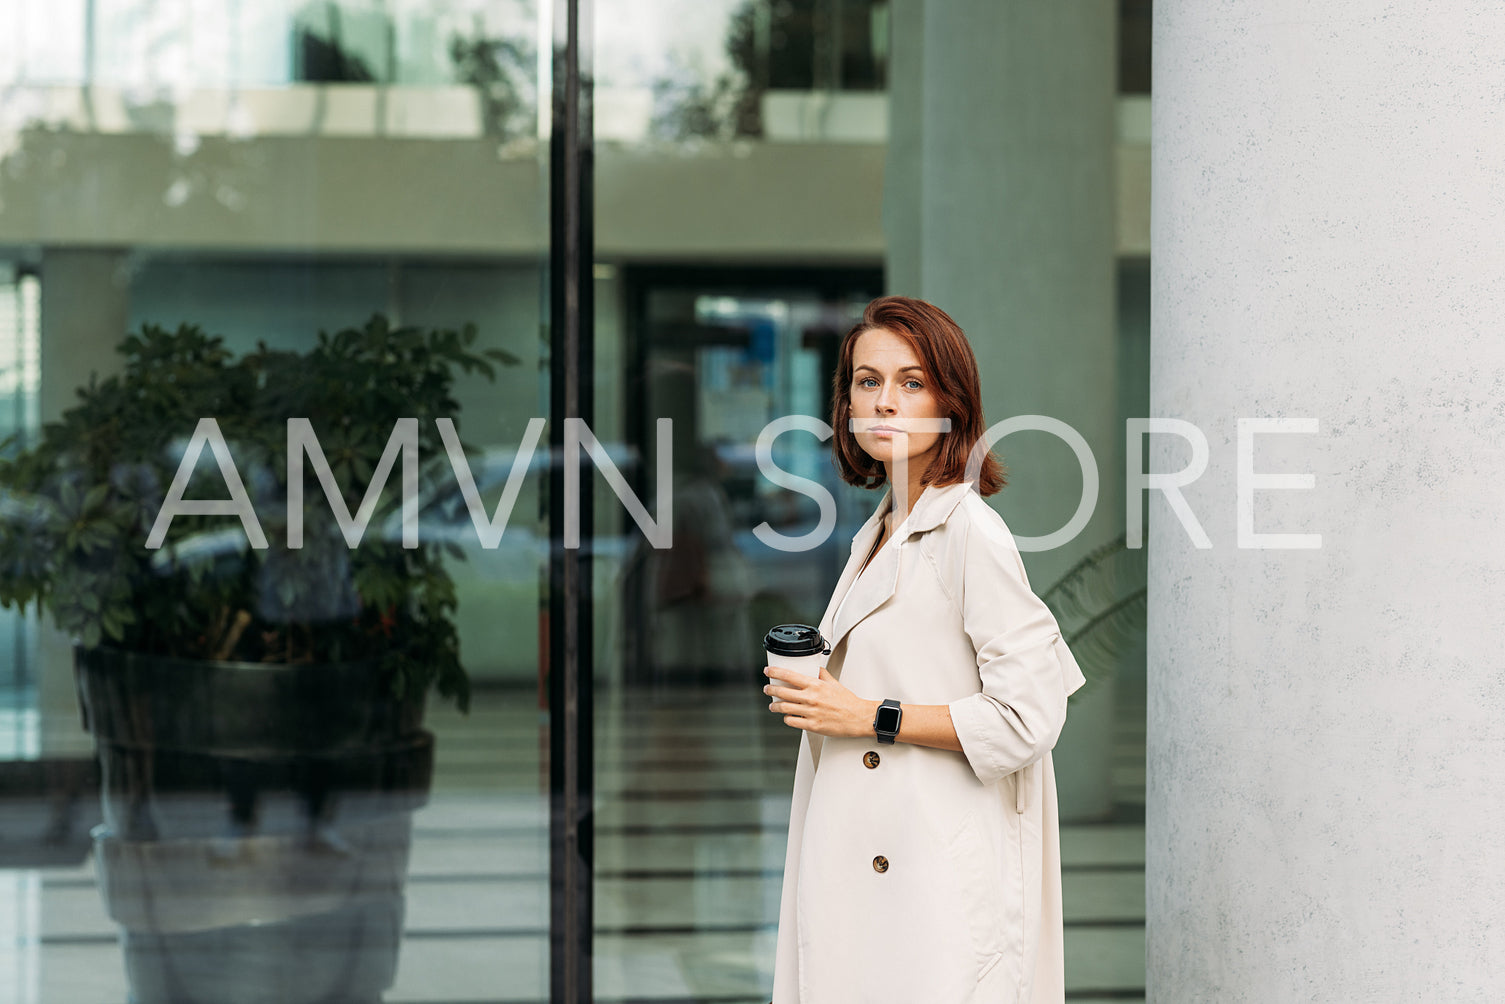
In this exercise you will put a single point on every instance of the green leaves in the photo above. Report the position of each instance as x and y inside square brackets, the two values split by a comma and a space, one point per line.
[76, 507]
[1100, 606]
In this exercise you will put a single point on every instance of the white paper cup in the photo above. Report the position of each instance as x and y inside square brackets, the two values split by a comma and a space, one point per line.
[798, 648]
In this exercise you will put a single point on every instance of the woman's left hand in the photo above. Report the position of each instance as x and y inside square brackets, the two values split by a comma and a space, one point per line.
[820, 705]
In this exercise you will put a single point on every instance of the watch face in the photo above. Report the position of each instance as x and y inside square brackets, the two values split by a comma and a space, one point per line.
[888, 719]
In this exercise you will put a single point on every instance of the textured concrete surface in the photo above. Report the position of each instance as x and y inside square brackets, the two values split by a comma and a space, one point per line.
[1324, 726]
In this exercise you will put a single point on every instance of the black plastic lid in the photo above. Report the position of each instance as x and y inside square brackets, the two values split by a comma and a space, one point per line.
[795, 640]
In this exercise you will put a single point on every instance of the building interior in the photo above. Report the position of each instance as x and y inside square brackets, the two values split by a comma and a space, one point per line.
[275, 169]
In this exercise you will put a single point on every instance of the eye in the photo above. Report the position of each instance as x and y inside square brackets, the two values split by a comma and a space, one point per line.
[864, 381]
[914, 381]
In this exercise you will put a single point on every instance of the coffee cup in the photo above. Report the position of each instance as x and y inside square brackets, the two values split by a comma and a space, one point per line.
[797, 648]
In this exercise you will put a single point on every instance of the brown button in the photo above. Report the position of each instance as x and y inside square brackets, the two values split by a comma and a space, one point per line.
[880, 864]
[870, 758]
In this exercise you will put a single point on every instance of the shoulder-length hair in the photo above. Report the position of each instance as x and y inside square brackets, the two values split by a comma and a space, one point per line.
[951, 373]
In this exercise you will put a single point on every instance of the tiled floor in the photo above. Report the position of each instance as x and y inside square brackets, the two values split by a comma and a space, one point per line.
[693, 805]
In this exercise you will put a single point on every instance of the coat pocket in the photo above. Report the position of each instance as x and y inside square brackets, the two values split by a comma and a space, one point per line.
[988, 894]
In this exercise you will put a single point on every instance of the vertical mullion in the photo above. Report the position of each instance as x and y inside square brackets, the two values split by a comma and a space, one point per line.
[571, 239]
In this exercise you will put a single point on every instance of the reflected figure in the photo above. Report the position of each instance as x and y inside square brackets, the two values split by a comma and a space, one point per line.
[695, 594]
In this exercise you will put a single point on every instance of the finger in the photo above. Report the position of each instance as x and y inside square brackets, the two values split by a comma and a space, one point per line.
[797, 722]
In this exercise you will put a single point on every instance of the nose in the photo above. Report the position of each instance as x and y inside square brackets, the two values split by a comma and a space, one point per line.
[884, 403]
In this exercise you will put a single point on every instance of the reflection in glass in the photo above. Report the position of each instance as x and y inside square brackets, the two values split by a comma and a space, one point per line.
[273, 812]
[19, 374]
[266, 169]
[692, 800]
[718, 70]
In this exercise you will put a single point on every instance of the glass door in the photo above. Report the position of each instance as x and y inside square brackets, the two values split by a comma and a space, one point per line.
[285, 730]
[727, 269]
[433, 343]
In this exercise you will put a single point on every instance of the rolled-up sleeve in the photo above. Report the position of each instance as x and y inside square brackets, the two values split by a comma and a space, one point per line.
[1026, 669]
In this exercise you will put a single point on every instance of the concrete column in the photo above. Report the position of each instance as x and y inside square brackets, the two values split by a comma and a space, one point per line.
[1327, 726]
[999, 208]
[85, 304]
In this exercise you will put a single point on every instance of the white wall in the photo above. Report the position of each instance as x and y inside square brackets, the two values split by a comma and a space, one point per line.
[1327, 727]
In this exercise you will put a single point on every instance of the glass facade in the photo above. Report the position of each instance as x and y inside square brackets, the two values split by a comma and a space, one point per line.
[396, 244]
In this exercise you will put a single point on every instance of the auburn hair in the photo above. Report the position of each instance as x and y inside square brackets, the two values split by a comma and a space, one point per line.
[951, 374]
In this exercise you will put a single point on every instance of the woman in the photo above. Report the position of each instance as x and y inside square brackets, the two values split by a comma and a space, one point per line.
[923, 864]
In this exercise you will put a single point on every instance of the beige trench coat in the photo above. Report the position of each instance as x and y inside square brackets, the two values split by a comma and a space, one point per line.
[968, 909]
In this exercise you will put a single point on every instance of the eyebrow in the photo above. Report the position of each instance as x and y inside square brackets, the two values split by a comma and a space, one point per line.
[901, 368]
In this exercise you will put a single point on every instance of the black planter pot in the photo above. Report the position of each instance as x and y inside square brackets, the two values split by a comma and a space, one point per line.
[257, 822]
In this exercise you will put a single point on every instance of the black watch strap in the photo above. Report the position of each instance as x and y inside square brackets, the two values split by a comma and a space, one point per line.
[889, 714]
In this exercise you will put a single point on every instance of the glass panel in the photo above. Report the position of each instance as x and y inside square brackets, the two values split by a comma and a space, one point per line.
[275, 814]
[692, 791]
[692, 799]
[754, 190]
[670, 70]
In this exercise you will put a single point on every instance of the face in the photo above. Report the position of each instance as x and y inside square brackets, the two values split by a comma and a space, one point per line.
[891, 388]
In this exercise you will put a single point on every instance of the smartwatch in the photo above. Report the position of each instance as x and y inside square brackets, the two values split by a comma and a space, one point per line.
[886, 721]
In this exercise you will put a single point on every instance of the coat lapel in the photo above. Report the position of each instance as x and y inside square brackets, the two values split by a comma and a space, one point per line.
[871, 587]
[862, 543]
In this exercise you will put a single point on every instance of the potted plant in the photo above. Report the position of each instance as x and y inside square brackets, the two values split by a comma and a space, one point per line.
[1100, 605]
[256, 706]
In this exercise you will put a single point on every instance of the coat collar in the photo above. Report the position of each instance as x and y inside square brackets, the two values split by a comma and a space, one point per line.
[930, 510]
[866, 589]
